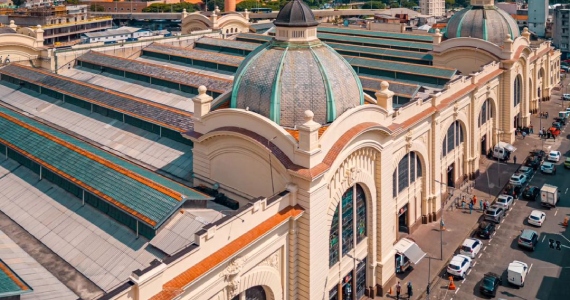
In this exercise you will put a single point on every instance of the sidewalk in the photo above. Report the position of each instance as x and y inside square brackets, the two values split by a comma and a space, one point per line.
[459, 223]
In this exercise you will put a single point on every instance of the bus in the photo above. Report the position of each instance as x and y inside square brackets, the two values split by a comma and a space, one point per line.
[261, 10]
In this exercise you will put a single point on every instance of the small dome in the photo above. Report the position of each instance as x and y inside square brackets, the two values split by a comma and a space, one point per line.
[281, 81]
[488, 23]
[295, 14]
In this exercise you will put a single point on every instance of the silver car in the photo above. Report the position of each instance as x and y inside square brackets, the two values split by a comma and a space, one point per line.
[494, 213]
[505, 201]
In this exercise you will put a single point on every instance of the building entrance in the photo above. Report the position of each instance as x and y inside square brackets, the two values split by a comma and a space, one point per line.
[403, 220]
[450, 175]
[484, 145]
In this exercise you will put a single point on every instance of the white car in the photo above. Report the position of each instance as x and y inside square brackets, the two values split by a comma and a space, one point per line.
[554, 156]
[471, 247]
[548, 168]
[459, 265]
[504, 201]
[518, 179]
[566, 97]
[536, 218]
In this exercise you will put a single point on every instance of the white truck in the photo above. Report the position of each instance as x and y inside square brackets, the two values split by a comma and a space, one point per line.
[549, 195]
[502, 151]
[516, 273]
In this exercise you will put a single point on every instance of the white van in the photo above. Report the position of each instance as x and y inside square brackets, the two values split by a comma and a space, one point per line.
[516, 273]
[502, 151]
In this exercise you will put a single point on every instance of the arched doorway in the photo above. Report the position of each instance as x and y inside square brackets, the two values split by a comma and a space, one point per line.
[407, 172]
[485, 125]
[454, 137]
[348, 231]
[517, 98]
[253, 293]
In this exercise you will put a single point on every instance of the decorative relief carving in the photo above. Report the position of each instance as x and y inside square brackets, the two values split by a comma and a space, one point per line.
[350, 175]
[231, 275]
[362, 160]
[272, 260]
[409, 140]
[455, 110]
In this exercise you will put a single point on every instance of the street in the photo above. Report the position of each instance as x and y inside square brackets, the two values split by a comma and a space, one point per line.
[549, 275]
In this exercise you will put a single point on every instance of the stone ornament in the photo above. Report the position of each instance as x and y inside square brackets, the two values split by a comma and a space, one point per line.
[231, 275]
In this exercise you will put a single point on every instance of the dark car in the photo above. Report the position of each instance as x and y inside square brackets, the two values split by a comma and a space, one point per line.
[537, 152]
[557, 125]
[530, 192]
[485, 229]
[490, 284]
[533, 162]
[560, 120]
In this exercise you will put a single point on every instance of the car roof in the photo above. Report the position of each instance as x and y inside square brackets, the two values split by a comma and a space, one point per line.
[537, 213]
[491, 274]
[524, 168]
[458, 259]
[503, 196]
[554, 152]
[527, 233]
[547, 163]
[469, 242]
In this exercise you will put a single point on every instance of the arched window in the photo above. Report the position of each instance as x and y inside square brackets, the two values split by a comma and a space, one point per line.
[253, 293]
[453, 138]
[348, 227]
[408, 170]
[517, 90]
[486, 112]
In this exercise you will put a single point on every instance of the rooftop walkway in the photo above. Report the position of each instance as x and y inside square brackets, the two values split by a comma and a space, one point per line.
[136, 192]
[98, 247]
[377, 34]
[150, 149]
[11, 285]
[154, 93]
[44, 286]
[157, 118]
[154, 73]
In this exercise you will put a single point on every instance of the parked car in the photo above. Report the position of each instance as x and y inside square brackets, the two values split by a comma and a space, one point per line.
[518, 179]
[531, 192]
[536, 218]
[459, 265]
[485, 229]
[490, 284]
[528, 239]
[560, 120]
[548, 168]
[504, 201]
[537, 152]
[567, 163]
[471, 247]
[494, 213]
[528, 171]
[557, 125]
[554, 156]
[533, 162]
[512, 190]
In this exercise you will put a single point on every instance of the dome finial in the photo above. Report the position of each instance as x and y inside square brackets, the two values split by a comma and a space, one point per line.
[309, 116]
[202, 90]
[295, 14]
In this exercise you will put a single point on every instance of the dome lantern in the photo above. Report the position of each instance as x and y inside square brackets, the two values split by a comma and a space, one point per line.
[295, 23]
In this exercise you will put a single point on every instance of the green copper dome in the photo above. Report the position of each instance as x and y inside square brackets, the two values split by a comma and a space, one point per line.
[281, 80]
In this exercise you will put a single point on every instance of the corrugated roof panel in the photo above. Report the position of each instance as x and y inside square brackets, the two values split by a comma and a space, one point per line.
[227, 43]
[393, 66]
[207, 56]
[382, 51]
[374, 41]
[377, 34]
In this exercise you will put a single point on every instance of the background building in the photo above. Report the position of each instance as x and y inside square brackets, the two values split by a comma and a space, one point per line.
[561, 29]
[432, 7]
[538, 16]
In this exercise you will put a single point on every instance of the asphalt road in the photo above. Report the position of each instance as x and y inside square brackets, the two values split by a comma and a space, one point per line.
[549, 276]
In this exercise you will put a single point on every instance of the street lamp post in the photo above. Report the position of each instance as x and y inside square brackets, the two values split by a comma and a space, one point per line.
[429, 276]
[441, 224]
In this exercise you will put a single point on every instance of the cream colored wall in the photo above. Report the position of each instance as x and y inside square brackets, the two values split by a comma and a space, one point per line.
[465, 59]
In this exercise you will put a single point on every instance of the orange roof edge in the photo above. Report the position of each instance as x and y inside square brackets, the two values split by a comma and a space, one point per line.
[176, 286]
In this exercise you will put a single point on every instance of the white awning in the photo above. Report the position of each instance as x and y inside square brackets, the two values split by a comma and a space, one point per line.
[411, 250]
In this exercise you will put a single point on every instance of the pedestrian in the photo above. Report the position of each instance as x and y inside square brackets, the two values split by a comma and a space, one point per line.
[410, 290]
[398, 290]
[485, 205]
[470, 208]
[516, 132]
[474, 199]
[531, 128]
[515, 159]
[524, 134]
[463, 202]
[540, 133]
[481, 204]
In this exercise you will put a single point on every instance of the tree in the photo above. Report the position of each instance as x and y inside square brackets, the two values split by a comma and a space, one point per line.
[247, 4]
[212, 5]
[374, 5]
[449, 4]
[72, 2]
[96, 7]
[178, 7]
[18, 2]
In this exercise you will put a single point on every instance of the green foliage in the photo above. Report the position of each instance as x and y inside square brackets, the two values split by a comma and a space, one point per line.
[449, 4]
[96, 7]
[212, 5]
[374, 5]
[72, 2]
[178, 7]
[247, 4]
[18, 2]
[408, 4]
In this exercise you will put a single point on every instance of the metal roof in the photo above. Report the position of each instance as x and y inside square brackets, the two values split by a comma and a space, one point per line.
[45, 285]
[227, 43]
[192, 79]
[377, 34]
[384, 43]
[399, 88]
[161, 153]
[201, 55]
[296, 13]
[257, 38]
[138, 108]
[139, 192]
[382, 51]
[111, 32]
[427, 71]
[10, 283]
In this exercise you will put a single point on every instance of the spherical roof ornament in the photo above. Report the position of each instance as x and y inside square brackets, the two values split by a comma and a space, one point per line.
[384, 85]
[309, 116]
[202, 90]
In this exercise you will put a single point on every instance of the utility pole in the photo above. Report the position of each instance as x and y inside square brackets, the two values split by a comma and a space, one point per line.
[441, 224]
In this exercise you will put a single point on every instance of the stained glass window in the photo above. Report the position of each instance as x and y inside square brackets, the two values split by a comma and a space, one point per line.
[360, 279]
[453, 138]
[517, 90]
[407, 172]
[351, 214]
[347, 221]
[333, 240]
